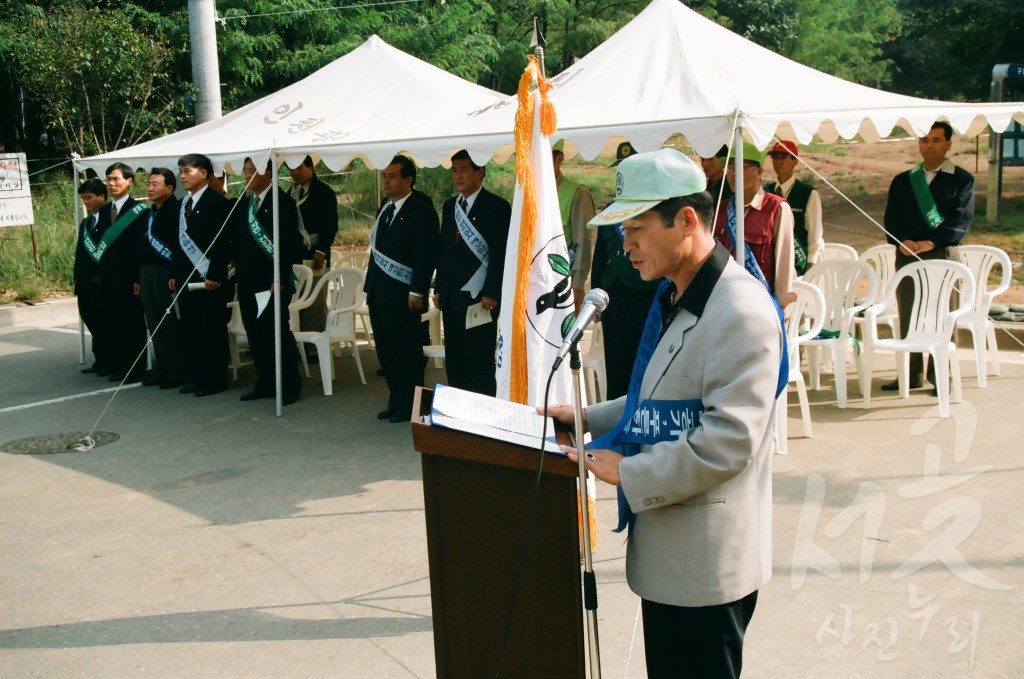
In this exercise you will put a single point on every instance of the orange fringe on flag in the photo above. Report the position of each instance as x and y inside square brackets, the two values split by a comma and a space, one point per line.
[530, 81]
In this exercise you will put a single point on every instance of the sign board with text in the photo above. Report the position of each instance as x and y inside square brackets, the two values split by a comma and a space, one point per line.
[15, 198]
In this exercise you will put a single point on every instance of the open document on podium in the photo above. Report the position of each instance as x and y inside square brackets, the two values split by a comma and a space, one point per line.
[491, 417]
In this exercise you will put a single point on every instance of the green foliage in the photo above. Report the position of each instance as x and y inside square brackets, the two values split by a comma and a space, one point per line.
[845, 38]
[55, 233]
[101, 82]
[947, 48]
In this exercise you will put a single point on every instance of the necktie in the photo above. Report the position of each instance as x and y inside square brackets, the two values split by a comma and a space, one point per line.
[302, 192]
[464, 204]
[385, 219]
[113, 212]
[92, 224]
[188, 208]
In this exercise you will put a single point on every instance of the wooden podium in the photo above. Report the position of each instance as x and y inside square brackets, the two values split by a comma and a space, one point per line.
[476, 493]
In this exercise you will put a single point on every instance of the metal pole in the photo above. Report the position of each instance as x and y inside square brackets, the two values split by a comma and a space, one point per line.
[740, 244]
[275, 298]
[589, 581]
[202, 26]
[78, 206]
[538, 44]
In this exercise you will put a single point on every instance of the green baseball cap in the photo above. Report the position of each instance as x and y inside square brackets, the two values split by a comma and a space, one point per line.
[646, 179]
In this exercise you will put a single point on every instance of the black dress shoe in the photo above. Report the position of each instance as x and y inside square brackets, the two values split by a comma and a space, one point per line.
[255, 394]
[288, 399]
[380, 372]
[895, 384]
[384, 415]
[189, 389]
[115, 377]
[395, 419]
[210, 391]
[103, 372]
[91, 369]
[152, 381]
[133, 378]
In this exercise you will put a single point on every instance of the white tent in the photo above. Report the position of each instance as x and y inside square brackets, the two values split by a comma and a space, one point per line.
[371, 103]
[671, 70]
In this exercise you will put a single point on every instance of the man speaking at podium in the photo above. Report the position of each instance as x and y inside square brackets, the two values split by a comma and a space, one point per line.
[690, 444]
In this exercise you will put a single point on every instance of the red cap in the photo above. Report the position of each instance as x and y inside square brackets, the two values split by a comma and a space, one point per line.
[787, 147]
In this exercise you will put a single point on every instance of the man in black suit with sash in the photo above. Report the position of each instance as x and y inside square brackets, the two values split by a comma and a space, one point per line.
[403, 249]
[202, 277]
[318, 224]
[929, 211]
[254, 273]
[86, 272]
[118, 228]
[157, 242]
[474, 233]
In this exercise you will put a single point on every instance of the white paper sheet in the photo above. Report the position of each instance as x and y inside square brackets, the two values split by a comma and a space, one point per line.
[262, 299]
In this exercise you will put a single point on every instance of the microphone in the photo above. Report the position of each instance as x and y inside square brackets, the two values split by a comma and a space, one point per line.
[594, 303]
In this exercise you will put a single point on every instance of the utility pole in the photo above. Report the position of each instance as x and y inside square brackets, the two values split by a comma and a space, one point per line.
[205, 68]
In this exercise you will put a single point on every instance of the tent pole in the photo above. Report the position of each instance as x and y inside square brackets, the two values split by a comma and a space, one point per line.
[740, 244]
[78, 218]
[275, 298]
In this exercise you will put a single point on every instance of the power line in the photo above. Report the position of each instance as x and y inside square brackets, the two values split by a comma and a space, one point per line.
[224, 19]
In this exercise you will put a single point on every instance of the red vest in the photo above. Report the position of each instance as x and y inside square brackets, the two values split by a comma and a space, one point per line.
[758, 233]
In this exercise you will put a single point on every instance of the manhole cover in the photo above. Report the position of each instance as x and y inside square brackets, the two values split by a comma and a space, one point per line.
[78, 442]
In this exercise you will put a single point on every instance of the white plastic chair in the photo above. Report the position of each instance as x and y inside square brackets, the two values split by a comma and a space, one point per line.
[837, 251]
[344, 295]
[435, 349]
[236, 330]
[931, 326]
[809, 306]
[840, 281]
[981, 259]
[592, 362]
[881, 258]
[359, 259]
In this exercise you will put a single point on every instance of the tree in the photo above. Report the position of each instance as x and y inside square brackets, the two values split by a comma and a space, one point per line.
[101, 83]
[947, 48]
[846, 38]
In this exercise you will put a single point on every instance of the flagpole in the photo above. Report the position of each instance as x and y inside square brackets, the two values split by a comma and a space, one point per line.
[538, 43]
[589, 580]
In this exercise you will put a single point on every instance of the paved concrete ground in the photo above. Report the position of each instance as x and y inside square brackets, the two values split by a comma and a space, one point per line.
[215, 540]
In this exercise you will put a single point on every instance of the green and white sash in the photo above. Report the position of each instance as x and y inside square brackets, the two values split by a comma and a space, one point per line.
[400, 272]
[188, 246]
[95, 249]
[925, 202]
[265, 242]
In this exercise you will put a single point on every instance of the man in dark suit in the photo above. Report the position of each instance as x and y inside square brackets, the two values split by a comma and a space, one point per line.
[470, 265]
[254, 273]
[403, 248]
[201, 229]
[318, 224]
[474, 232]
[118, 226]
[929, 210]
[86, 270]
[157, 242]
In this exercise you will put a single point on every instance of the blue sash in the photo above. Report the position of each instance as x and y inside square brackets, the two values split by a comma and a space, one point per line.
[625, 438]
[154, 242]
[751, 265]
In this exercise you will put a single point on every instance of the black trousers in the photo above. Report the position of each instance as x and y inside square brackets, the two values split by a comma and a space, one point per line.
[169, 364]
[89, 308]
[259, 330]
[124, 329]
[700, 643]
[622, 324]
[397, 334]
[905, 301]
[469, 354]
[204, 318]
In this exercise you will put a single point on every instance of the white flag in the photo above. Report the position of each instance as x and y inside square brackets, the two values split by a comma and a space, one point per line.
[537, 274]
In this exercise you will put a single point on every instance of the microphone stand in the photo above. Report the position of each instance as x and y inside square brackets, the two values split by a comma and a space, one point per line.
[589, 583]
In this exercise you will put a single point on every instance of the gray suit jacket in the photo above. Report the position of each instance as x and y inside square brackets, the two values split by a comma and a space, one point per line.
[704, 502]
